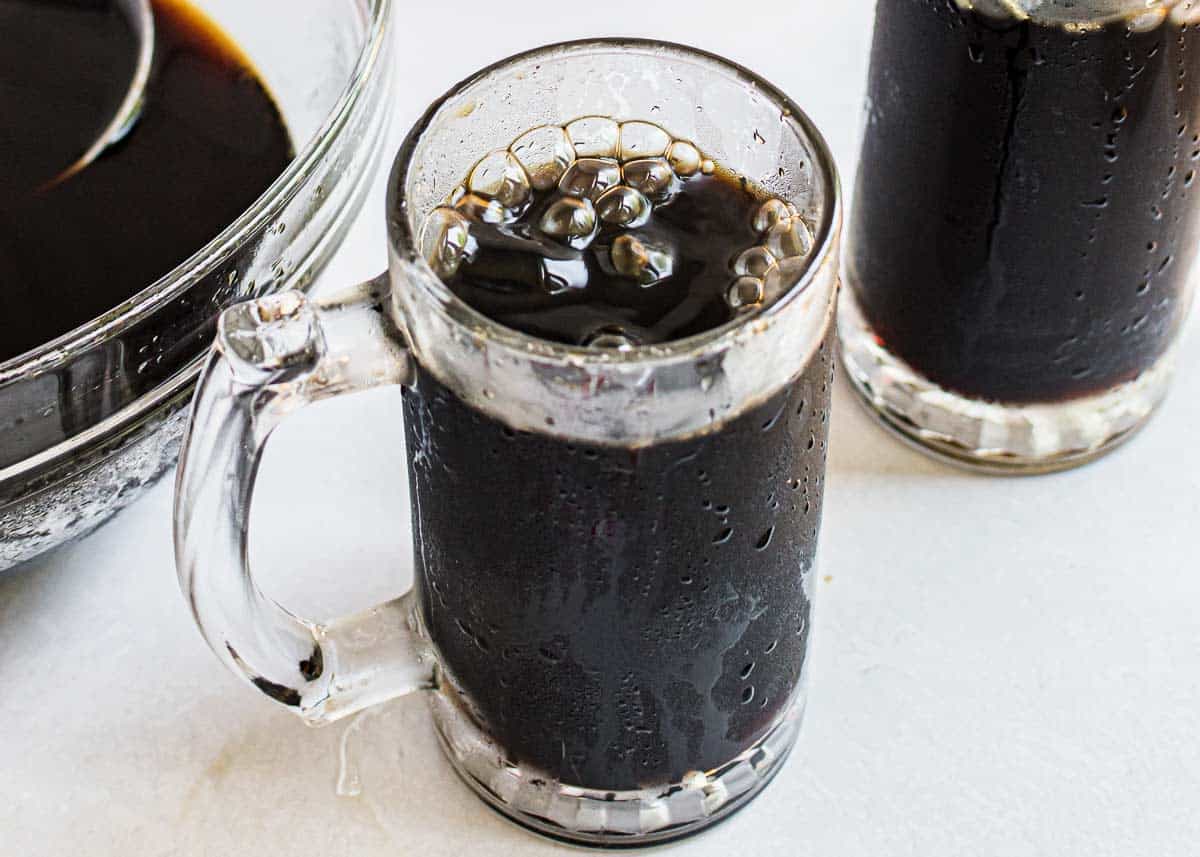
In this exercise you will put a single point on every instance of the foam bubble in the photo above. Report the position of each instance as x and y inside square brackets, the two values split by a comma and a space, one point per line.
[641, 261]
[595, 137]
[571, 221]
[643, 140]
[789, 238]
[612, 337]
[590, 177]
[500, 176]
[545, 153]
[653, 177]
[624, 206]
[476, 207]
[770, 213]
[745, 293]
[755, 262]
[445, 241]
[684, 158]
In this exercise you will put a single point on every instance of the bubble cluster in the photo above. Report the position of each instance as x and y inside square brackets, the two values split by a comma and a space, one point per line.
[564, 186]
[770, 268]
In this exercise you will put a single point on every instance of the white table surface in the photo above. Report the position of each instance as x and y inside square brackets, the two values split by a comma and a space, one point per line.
[1001, 667]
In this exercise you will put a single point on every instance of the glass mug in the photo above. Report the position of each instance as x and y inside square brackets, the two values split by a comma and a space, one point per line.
[614, 549]
[1019, 263]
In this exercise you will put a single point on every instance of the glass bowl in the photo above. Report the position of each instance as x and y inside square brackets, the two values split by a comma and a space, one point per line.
[93, 418]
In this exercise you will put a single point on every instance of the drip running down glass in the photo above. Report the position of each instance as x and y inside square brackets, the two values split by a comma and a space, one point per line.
[614, 543]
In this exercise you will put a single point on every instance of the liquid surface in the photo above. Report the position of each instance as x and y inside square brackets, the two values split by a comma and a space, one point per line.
[209, 141]
[620, 618]
[1026, 214]
[613, 235]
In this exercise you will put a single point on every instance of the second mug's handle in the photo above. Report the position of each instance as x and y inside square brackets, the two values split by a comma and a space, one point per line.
[272, 357]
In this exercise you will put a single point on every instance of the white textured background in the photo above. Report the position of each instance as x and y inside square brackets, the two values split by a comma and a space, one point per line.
[1001, 667]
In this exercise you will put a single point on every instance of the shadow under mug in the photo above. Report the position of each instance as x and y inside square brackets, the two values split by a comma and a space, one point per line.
[614, 549]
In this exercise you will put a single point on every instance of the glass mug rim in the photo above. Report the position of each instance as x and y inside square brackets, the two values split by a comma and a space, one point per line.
[404, 241]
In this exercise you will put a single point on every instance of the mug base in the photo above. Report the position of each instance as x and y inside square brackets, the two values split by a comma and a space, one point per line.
[606, 819]
[992, 437]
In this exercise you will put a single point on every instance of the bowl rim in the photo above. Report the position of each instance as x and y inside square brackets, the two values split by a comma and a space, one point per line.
[63, 349]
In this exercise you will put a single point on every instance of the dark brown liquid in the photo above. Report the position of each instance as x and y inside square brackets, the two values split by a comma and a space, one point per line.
[209, 141]
[1027, 211]
[620, 617]
[703, 230]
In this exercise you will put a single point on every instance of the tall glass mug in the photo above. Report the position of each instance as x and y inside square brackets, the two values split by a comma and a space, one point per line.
[1019, 261]
[614, 549]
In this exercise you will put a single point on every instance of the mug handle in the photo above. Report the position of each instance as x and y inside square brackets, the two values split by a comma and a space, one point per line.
[273, 356]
